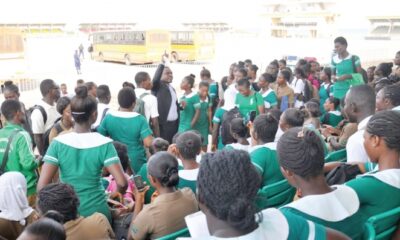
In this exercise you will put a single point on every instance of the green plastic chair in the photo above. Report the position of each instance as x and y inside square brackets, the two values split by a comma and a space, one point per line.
[383, 225]
[275, 195]
[181, 233]
[337, 156]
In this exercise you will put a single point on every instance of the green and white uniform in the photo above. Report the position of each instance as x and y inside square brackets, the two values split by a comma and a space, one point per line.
[324, 94]
[129, 128]
[332, 118]
[378, 192]
[186, 115]
[81, 158]
[272, 224]
[265, 159]
[247, 104]
[343, 67]
[202, 125]
[219, 114]
[270, 98]
[213, 91]
[337, 209]
[188, 178]
[237, 146]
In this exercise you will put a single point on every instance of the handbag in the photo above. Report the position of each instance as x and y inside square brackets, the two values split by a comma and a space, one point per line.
[5, 156]
[356, 78]
[342, 173]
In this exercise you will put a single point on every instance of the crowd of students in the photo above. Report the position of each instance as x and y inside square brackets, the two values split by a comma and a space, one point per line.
[147, 169]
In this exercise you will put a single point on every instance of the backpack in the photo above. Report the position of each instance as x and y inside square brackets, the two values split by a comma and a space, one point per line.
[46, 135]
[308, 91]
[225, 128]
[139, 106]
[28, 114]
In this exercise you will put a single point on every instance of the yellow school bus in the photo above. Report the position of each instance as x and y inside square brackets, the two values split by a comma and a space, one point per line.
[139, 47]
[11, 43]
[192, 45]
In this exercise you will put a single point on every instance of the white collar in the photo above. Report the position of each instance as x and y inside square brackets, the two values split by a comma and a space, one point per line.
[270, 145]
[190, 95]
[190, 175]
[363, 123]
[239, 146]
[336, 112]
[204, 101]
[267, 92]
[336, 58]
[334, 206]
[389, 176]
[83, 140]
[140, 91]
[124, 114]
[397, 108]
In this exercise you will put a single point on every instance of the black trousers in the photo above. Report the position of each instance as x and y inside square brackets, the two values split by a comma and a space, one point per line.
[169, 129]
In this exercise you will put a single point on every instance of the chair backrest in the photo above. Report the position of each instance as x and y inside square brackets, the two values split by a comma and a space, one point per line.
[337, 156]
[181, 233]
[275, 195]
[383, 225]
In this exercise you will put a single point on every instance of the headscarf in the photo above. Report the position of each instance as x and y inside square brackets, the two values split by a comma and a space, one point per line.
[13, 198]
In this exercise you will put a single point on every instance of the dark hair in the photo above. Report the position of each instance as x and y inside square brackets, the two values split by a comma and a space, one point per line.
[175, 137]
[46, 86]
[335, 101]
[240, 64]
[328, 72]
[294, 117]
[238, 127]
[244, 82]
[254, 67]
[392, 93]
[103, 92]
[300, 71]
[59, 197]
[190, 79]
[275, 113]
[11, 87]
[82, 105]
[248, 61]
[164, 167]
[341, 40]
[274, 62]
[232, 203]
[158, 145]
[386, 124]
[62, 104]
[204, 84]
[189, 145]
[363, 96]
[128, 84]
[122, 151]
[126, 97]
[286, 75]
[56, 216]
[266, 126]
[243, 71]
[381, 83]
[79, 82]
[313, 109]
[46, 228]
[205, 73]
[140, 77]
[301, 151]
[283, 61]
[385, 68]
[268, 77]
[9, 108]
[90, 85]
[301, 62]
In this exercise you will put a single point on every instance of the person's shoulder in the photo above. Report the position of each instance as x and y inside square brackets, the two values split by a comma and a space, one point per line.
[188, 193]
[95, 219]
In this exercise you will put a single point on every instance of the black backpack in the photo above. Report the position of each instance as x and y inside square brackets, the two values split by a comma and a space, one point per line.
[28, 125]
[46, 135]
[225, 128]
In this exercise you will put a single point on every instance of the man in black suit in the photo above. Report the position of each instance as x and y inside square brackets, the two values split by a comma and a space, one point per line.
[168, 108]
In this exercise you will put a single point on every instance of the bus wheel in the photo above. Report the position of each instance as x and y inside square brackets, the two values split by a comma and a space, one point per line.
[175, 57]
[101, 57]
[127, 60]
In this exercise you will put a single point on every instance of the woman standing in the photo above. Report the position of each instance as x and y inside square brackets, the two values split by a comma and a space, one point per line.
[284, 93]
[203, 125]
[190, 105]
[326, 87]
[248, 100]
[81, 155]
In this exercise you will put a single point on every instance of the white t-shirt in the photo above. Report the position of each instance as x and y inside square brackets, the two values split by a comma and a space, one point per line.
[38, 124]
[150, 103]
[298, 87]
[100, 110]
[355, 145]
[173, 109]
[230, 97]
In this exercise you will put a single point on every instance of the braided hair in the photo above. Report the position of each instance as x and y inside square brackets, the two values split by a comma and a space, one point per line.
[265, 127]
[301, 151]
[59, 197]
[392, 93]
[293, 117]
[238, 127]
[227, 185]
[164, 167]
[386, 124]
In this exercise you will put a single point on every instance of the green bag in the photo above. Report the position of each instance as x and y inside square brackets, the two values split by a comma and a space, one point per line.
[357, 78]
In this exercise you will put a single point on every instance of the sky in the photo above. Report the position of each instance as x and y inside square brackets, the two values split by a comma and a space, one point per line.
[236, 12]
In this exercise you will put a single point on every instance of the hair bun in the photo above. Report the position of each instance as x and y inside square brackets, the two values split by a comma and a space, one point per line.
[189, 143]
[81, 91]
[192, 75]
[8, 83]
[54, 215]
[241, 213]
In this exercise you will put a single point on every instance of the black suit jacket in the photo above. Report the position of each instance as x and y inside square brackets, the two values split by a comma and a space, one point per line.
[161, 91]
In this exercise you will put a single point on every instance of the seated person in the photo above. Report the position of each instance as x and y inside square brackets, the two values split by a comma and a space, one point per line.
[166, 213]
[380, 191]
[189, 146]
[239, 132]
[301, 157]
[45, 228]
[311, 110]
[388, 98]
[62, 198]
[332, 115]
[229, 208]
[15, 212]
[158, 145]
[263, 153]
[66, 123]
[290, 118]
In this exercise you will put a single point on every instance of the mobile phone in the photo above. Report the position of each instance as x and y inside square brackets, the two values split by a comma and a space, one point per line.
[252, 116]
[138, 180]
